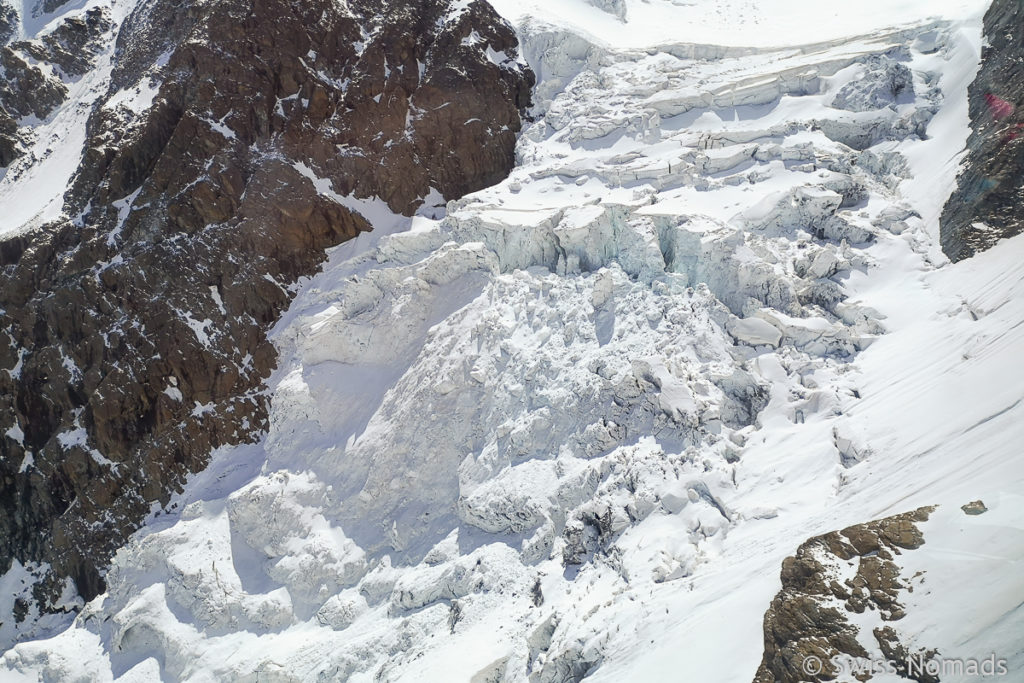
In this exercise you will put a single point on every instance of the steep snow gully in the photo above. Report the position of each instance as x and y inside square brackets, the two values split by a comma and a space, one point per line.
[572, 428]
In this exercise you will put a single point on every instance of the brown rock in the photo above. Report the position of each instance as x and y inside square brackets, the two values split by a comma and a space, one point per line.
[801, 621]
[974, 508]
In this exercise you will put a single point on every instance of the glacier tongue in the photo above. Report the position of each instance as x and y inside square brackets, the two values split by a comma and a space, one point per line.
[572, 428]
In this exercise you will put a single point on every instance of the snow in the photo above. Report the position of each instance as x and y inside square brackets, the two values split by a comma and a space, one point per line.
[198, 327]
[16, 584]
[220, 127]
[202, 409]
[137, 99]
[76, 437]
[691, 330]
[15, 433]
[976, 558]
[26, 463]
[215, 295]
[33, 194]
[755, 332]
[764, 23]
[373, 209]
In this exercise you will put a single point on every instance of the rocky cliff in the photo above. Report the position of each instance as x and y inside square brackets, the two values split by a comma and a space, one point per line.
[985, 208]
[813, 621]
[234, 143]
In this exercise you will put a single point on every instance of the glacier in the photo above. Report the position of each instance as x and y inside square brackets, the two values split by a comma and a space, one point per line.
[571, 427]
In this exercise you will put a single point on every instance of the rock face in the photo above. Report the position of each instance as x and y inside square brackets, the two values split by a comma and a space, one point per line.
[226, 158]
[985, 207]
[8, 21]
[830, 579]
[34, 71]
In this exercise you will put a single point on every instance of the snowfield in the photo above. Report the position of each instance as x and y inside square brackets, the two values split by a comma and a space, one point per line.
[573, 427]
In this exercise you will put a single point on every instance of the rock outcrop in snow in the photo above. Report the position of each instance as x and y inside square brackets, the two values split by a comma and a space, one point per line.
[831, 579]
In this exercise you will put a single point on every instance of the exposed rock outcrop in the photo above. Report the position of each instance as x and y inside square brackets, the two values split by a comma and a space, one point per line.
[8, 21]
[985, 207]
[974, 508]
[830, 578]
[35, 71]
[225, 160]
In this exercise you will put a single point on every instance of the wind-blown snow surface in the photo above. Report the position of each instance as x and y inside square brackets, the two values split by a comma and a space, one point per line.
[575, 426]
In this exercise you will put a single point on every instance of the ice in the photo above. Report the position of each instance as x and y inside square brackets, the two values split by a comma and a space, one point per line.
[572, 424]
[755, 331]
[732, 23]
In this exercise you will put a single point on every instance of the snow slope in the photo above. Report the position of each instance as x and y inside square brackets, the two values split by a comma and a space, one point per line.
[574, 426]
